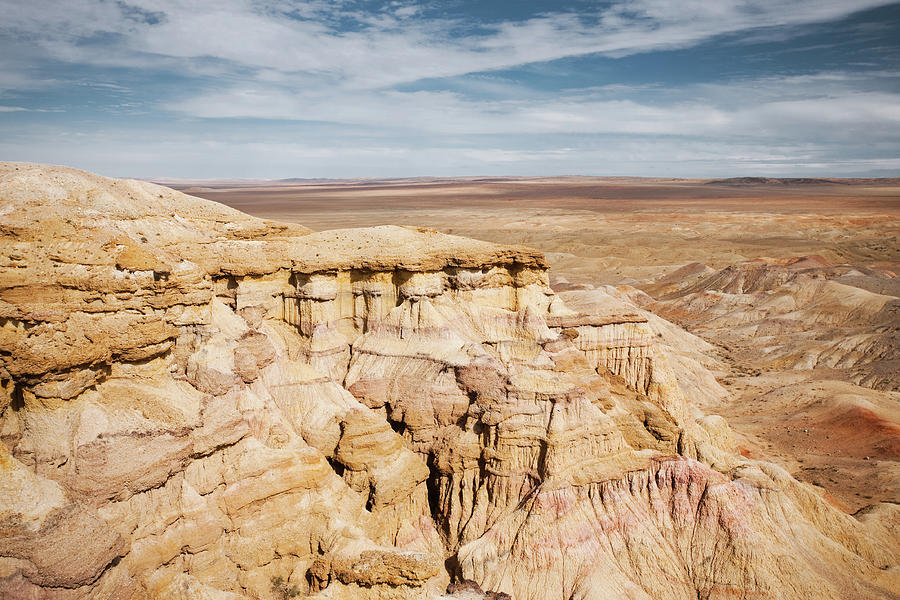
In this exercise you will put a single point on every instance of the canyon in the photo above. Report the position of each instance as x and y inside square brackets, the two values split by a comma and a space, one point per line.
[807, 381]
[199, 403]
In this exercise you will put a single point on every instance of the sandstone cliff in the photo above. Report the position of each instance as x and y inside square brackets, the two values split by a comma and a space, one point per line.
[199, 404]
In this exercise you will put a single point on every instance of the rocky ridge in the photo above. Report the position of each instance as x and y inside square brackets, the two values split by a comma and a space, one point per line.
[809, 351]
[200, 404]
[801, 313]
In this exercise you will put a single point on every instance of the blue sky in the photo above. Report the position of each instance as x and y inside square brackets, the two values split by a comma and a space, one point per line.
[346, 88]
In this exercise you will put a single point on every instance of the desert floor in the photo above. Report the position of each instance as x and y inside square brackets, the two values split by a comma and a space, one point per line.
[817, 422]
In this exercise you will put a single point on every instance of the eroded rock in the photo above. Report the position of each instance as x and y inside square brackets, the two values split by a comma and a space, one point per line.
[196, 403]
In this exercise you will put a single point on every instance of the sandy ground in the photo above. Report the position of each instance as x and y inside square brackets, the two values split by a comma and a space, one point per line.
[597, 231]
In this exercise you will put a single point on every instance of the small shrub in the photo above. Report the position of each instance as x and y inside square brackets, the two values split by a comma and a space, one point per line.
[284, 590]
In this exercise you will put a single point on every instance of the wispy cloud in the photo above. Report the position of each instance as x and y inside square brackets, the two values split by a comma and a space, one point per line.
[198, 155]
[387, 47]
[829, 104]
[405, 86]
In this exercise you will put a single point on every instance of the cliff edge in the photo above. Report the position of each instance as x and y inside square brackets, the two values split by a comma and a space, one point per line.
[195, 403]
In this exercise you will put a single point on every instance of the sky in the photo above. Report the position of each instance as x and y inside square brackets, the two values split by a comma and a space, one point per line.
[352, 88]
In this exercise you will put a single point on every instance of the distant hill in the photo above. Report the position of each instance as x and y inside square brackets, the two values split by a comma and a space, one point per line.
[801, 181]
[772, 180]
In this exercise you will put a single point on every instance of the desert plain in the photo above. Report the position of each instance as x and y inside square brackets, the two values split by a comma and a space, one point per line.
[793, 283]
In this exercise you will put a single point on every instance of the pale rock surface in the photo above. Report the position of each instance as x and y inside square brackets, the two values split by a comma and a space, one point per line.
[199, 404]
[800, 313]
[810, 352]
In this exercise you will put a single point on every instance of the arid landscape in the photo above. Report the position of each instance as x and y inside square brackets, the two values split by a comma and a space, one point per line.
[415, 300]
[793, 282]
[199, 403]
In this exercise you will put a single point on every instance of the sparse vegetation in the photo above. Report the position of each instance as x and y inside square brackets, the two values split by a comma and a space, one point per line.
[283, 589]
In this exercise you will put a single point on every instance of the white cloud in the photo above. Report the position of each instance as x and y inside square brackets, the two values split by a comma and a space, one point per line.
[387, 48]
[126, 153]
[280, 60]
[821, 106]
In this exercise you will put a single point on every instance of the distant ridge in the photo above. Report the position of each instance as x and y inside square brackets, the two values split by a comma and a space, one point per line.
[800, 181]
[210, 184]
[773, 180]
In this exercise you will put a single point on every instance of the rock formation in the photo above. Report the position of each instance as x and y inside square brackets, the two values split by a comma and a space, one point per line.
[199, 404]
[808, 347]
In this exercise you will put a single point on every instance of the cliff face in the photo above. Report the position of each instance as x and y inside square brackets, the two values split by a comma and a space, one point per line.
[199, 404]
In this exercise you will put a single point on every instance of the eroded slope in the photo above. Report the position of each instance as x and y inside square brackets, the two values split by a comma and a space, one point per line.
[811, 353]
[201, 404]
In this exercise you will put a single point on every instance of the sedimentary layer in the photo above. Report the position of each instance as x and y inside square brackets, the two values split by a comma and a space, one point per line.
[199, 404]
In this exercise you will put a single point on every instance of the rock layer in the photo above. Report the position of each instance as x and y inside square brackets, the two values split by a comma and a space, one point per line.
[197, 403]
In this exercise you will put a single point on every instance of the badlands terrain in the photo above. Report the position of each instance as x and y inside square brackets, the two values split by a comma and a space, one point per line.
[791, 281]
[200, 403]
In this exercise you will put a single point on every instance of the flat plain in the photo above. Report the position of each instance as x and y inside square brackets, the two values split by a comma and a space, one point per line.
[793, 281]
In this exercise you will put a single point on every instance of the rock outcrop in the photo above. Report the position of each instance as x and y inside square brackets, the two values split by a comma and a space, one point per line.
[199, 404]
[808, 347]
[800, 313]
